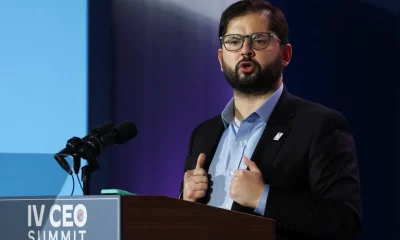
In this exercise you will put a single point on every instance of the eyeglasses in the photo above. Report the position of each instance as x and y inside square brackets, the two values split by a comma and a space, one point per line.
[258, 41]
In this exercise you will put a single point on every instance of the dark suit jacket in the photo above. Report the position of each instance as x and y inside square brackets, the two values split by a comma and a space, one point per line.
[312, 170]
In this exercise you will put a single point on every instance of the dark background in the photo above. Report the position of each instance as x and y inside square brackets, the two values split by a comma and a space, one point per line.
[144, 66]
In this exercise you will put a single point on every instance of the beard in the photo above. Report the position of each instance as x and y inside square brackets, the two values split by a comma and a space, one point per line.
[261, 81]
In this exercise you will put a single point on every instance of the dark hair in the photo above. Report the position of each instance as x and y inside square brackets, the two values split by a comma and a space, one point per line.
[277, 18]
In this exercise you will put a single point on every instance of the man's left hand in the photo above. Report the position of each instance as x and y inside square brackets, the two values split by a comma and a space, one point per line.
[247, 186]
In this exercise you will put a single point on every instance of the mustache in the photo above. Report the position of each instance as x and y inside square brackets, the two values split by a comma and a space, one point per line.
[248, 59]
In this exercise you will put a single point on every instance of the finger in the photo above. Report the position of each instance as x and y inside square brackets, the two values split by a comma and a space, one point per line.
[199, 172]
[200, 160]
[188, 174]
[196, 184]
[198, 179]
[199, 194]
[199, 186]
[192, 187]
[232, 192]
[232, 184]
[251, 165]
[233, 188]
[238, 173]
[196, 194]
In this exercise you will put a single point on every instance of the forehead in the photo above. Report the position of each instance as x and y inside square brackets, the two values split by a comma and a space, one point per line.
[249, 23]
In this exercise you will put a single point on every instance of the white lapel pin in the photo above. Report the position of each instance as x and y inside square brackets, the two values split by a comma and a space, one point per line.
[278, 136]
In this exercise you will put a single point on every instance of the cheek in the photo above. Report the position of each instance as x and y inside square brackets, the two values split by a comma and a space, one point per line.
[230, 60]
[266, 58]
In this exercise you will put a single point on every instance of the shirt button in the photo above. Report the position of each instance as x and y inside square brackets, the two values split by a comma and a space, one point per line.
[241, 143]
[232, 172]
[227, 206]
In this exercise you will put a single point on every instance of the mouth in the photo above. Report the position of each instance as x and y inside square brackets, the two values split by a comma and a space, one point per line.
[246, 67]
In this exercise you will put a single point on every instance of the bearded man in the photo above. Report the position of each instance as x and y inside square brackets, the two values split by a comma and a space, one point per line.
[271, 153]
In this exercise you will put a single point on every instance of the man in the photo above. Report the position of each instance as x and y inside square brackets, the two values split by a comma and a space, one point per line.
[271, 153]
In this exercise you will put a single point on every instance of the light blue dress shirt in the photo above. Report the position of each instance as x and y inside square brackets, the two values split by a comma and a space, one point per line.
[239, 139]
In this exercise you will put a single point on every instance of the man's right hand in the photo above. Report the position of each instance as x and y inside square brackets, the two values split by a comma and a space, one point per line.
[195, 181]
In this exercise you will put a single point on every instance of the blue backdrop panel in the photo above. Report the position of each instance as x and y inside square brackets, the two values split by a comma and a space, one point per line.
[43, 91]
[43, 86]
[34, 174]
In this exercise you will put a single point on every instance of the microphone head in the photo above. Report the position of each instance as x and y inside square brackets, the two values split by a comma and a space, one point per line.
[125, 132]
[102, 129]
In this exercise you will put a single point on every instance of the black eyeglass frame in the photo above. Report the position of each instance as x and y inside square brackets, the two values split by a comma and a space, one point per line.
[250, 37]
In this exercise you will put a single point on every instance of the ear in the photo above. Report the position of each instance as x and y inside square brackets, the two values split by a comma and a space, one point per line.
[220, 58]
[287, 52]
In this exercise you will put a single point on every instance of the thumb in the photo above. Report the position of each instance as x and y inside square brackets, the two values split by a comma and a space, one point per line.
[252, 165]
[200, 160]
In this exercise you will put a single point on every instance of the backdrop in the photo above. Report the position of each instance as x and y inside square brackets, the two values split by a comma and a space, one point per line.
[163, 74]
[43, 92]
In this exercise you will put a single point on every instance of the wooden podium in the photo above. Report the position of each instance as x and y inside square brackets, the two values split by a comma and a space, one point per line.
[157, 217]
[128, 217]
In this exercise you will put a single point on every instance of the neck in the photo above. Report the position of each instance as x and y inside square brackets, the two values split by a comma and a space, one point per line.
[246, 104]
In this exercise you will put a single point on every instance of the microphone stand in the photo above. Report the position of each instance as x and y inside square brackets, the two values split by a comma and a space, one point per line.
[87, 170]
[86, 177]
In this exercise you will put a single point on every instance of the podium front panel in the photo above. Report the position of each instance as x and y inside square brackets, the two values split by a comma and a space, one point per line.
[61, 218]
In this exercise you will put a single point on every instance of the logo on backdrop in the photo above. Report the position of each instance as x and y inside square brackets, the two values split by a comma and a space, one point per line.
[58, 222]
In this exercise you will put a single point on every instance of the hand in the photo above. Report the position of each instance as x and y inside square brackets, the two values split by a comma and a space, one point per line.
[247, 186]
[195, 182]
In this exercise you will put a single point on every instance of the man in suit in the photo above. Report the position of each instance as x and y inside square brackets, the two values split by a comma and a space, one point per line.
[271, 153]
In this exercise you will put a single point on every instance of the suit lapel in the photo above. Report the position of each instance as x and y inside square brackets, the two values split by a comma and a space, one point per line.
[211, 140]
[276, 131]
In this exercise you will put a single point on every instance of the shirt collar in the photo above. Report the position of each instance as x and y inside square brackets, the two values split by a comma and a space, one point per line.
[263, 112]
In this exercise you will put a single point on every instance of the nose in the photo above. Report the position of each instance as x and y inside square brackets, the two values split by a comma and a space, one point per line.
[247, 50]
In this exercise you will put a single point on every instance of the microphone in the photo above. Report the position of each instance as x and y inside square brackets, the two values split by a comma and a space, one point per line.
[97, 131]
[94, 145]
[74, 144]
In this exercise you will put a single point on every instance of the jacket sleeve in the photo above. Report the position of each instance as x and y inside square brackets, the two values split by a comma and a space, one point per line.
[331, 207]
